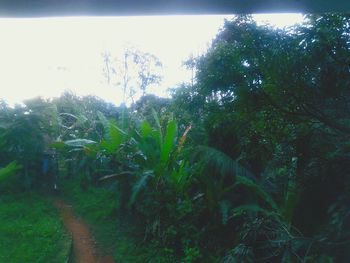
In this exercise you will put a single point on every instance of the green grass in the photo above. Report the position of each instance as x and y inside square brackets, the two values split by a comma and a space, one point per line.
[98, 207]
[31, 230]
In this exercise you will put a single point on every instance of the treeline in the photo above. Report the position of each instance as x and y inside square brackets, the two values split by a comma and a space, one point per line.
[249, 163]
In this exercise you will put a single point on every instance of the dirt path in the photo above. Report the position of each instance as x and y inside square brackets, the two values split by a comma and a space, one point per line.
[83, 243]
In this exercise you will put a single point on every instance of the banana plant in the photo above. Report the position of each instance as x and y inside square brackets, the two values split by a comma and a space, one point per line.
[141, 155]
[157, 156]
[155, 146]
[114, 137]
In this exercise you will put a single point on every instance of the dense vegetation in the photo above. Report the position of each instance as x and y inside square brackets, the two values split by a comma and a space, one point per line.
[248, 163]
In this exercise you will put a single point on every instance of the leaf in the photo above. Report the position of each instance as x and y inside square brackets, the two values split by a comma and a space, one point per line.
[169, 141]
[224, 210]
[158, 134]
[115, 176]
[57, 145]
[257, 189]
[139, 185]
[82, 119]
[9, 170]
[114, 138]
[79, 142]
[103, 120]
[145, 129]
[222, 162]
[291, 200]
[156, 118]
[180, 177]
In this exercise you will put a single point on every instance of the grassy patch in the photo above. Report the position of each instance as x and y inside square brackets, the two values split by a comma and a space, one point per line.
[98, 207]
[31, 230]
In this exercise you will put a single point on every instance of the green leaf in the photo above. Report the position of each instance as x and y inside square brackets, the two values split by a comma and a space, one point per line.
[9, 170]
[79, 142]
[156, 118]
[158, 134]
[224, 210]
[145, 129]
[257, 189]
[114, 138]
[291, 200]
[180, 177]
[103, 120]
[169, 141]
[57, 145]
[139, 185]
[223, 163]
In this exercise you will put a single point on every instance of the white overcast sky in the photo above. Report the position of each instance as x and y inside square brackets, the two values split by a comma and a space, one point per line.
[45, 56]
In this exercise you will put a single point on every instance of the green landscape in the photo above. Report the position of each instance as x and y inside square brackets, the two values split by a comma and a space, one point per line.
[247, 163]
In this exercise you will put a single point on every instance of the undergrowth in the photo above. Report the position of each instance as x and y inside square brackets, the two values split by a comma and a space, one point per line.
[121, 238]
[31, 230]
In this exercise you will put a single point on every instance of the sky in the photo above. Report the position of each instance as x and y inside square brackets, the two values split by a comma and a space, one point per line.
[46, 56]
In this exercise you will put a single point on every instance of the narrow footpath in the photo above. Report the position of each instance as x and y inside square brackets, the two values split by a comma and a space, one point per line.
[84, 245]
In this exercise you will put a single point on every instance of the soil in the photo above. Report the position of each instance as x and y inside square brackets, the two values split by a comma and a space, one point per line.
[84, 245]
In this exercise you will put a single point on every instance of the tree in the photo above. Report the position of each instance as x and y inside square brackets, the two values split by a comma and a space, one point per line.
[22, 131]
[148, 69]
[135, 72]
[278, 101]
[190, 64]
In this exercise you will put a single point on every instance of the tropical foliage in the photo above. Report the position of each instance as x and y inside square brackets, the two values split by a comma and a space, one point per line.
[247, 163]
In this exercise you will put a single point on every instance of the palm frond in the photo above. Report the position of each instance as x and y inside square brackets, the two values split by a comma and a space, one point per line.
[257, 189]
[243, 177]
[223, 163]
